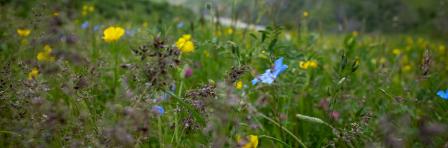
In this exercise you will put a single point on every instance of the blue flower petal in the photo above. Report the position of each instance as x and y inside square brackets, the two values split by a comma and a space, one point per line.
[279, 67]
[96, 27]
[85, 25]
[278, 63]
[180, 25]
[267, 77]
[270, 75]
[443, 94]
[254, 81]
[158, 109]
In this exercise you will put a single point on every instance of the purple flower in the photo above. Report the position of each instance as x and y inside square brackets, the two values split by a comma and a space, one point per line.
[443, 94]
[188, 72]
[158, 109]
[271, 74]
[85, 25]
[335, 115]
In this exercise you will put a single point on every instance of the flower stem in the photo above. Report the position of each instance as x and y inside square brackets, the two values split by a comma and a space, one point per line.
[115, 78]
[283, 128]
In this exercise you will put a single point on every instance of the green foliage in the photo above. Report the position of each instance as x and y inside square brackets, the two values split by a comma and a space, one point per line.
[356, 89]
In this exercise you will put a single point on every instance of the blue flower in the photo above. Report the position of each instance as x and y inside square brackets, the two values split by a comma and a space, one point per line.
[96, 27]
[443, 94]
[131, 32]
[279, 67]
[173, 87]
[271, 74]
[158, 109]
[85, 25]
[180, 25]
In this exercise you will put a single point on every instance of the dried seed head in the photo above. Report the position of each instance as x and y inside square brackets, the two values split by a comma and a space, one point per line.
[236, 72]
[426, 63]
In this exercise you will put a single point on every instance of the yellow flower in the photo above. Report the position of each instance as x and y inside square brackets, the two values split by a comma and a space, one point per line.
[421, 42]
[184, 43]
[45, 55]
[355, 33]
[23, 32]
[23, 42]
[218, 33]
[308, 64]
[206, 53]
[91, 8]
[409, 41]
[305, 14]
[239, 84]
[229, 31]
[442, 49]
[383, 60]
[86, 9]
[33, 74]
[56, 13]
[396, 51]
[112, 34]
[407, 67]
[249, 142]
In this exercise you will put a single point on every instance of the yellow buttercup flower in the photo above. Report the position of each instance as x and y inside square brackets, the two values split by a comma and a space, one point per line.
[239, 84]
[422, 43]
[383, 60]
[407, 68]
[86, 9]
[112, 34]
[33, 74]
[23, 32]
[206, 53]
[218, 33]
[184, 44]
[229, 31]
[249, 142]
[442, 49]
[45, 55]
[396, 51]
[24, 42]
[310, 64]
[91, 8]
[305, 14]
[355, 33]
[409, 41]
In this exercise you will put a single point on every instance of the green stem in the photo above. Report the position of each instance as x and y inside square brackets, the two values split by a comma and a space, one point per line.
[175, 136]
[115, 78]
[275, 139]
[283, 128]
[9, 132]
[159, 122]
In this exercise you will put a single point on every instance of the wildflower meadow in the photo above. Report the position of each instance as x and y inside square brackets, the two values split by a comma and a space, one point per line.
[223, 73]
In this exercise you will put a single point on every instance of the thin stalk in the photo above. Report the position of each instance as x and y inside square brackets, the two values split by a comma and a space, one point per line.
[176, 124]
[159, 124]
[283, 128]
[9, 132]
[275, 139]
[115, 83]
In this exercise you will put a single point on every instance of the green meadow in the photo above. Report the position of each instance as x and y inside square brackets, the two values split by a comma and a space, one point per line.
[223, 73]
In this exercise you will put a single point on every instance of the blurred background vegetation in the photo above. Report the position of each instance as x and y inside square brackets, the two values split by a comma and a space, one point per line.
[371, 16]
[385, 16]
